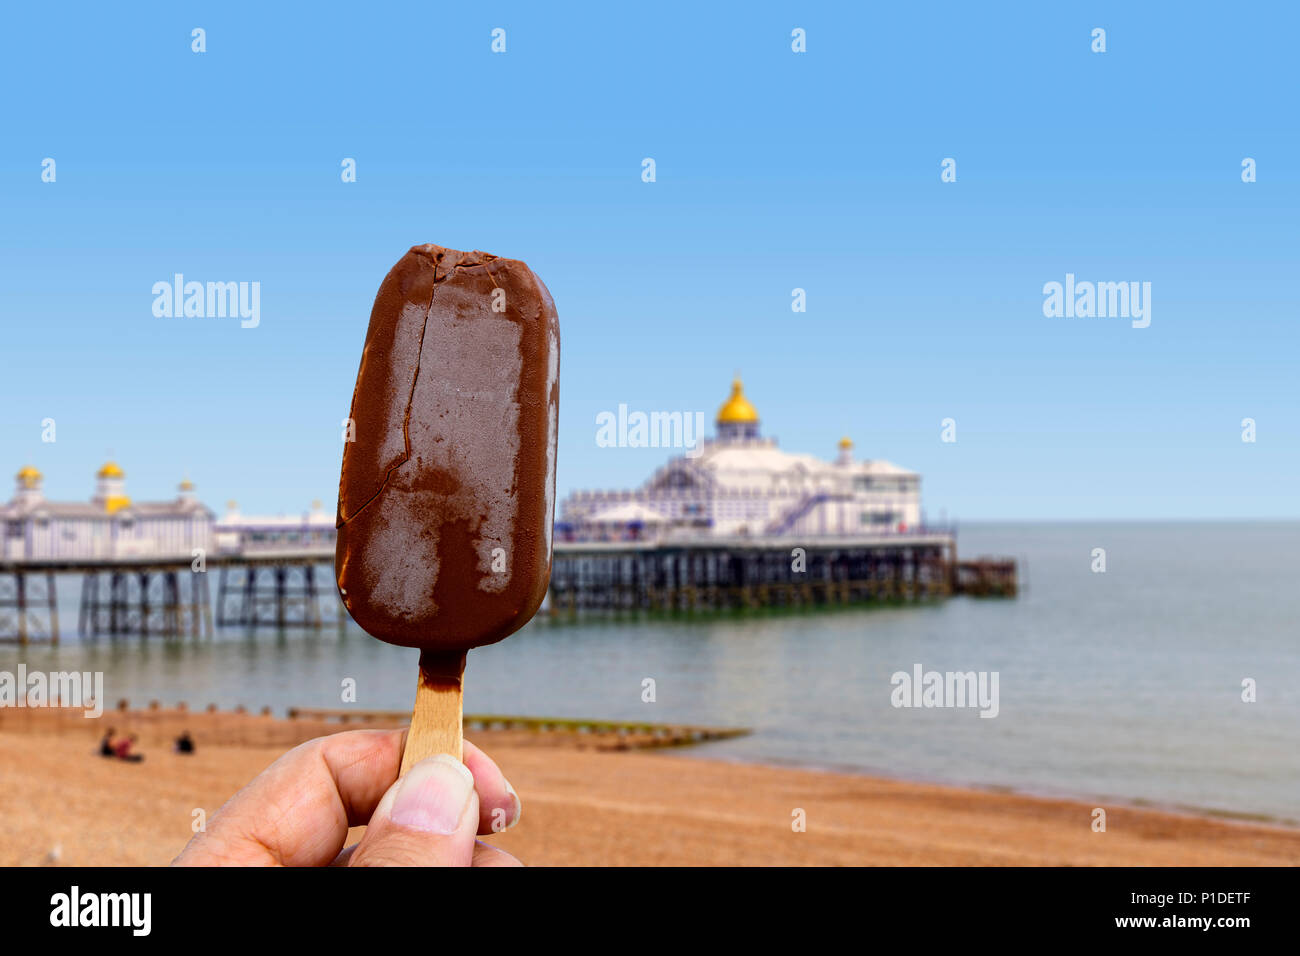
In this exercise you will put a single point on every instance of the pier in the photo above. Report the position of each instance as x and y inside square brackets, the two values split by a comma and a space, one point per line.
[276, 589]
[744, 573]
[170, 596]
[734, 524]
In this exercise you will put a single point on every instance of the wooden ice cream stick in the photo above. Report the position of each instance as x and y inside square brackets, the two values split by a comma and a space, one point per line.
[436, 721]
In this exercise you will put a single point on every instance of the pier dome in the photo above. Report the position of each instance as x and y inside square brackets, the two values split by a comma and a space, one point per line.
[846, 451]
[27, 487]
[737, 409]
[737, 418]
[110, 488]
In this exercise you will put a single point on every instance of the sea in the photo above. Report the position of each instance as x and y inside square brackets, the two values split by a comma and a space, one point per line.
[1171, 678]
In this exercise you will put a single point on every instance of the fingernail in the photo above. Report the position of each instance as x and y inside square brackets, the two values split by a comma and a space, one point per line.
[433, 795]
[519, 806]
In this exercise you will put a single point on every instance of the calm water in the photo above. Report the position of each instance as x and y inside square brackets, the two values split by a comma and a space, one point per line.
[1122, 685]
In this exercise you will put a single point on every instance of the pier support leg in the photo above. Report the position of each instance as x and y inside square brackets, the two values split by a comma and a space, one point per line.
[205, 600]
[20, 602]
[194, 603]
[52, 595]
[280, 574]
[84, 605]
[221, 596]
[248, 613]
[142, 582]
[312, 613]
[172, 608]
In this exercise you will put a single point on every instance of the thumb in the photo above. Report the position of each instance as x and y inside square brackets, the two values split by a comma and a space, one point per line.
[427, 818]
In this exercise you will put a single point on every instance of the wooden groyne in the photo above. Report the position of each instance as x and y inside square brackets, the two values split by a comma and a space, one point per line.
[598, 734]
[157, 726]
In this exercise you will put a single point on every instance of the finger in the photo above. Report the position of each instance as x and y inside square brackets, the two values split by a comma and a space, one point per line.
[428, 818]
[297, 811]
[345, 856]
[485, 854]
[499, 807]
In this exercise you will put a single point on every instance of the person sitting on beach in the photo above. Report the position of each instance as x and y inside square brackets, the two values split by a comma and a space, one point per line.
[297, 811]
[106, 745]
[123, 750]
[185, 743]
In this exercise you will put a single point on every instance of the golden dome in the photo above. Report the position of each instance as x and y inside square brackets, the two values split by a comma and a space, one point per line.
[846, 442]
[186, 485]
[737, 409]
[28, 476]
[110, 470]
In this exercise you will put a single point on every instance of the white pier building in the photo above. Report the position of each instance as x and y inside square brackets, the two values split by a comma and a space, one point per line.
[109, 525]
[249, 534]
[739, 484]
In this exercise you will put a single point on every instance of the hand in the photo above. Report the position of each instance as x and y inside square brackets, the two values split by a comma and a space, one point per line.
[297, 811]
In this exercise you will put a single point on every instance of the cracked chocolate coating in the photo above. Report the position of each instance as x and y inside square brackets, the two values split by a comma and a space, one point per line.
[447, 495]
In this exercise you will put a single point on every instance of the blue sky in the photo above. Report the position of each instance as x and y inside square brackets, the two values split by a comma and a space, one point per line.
[775, 170]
